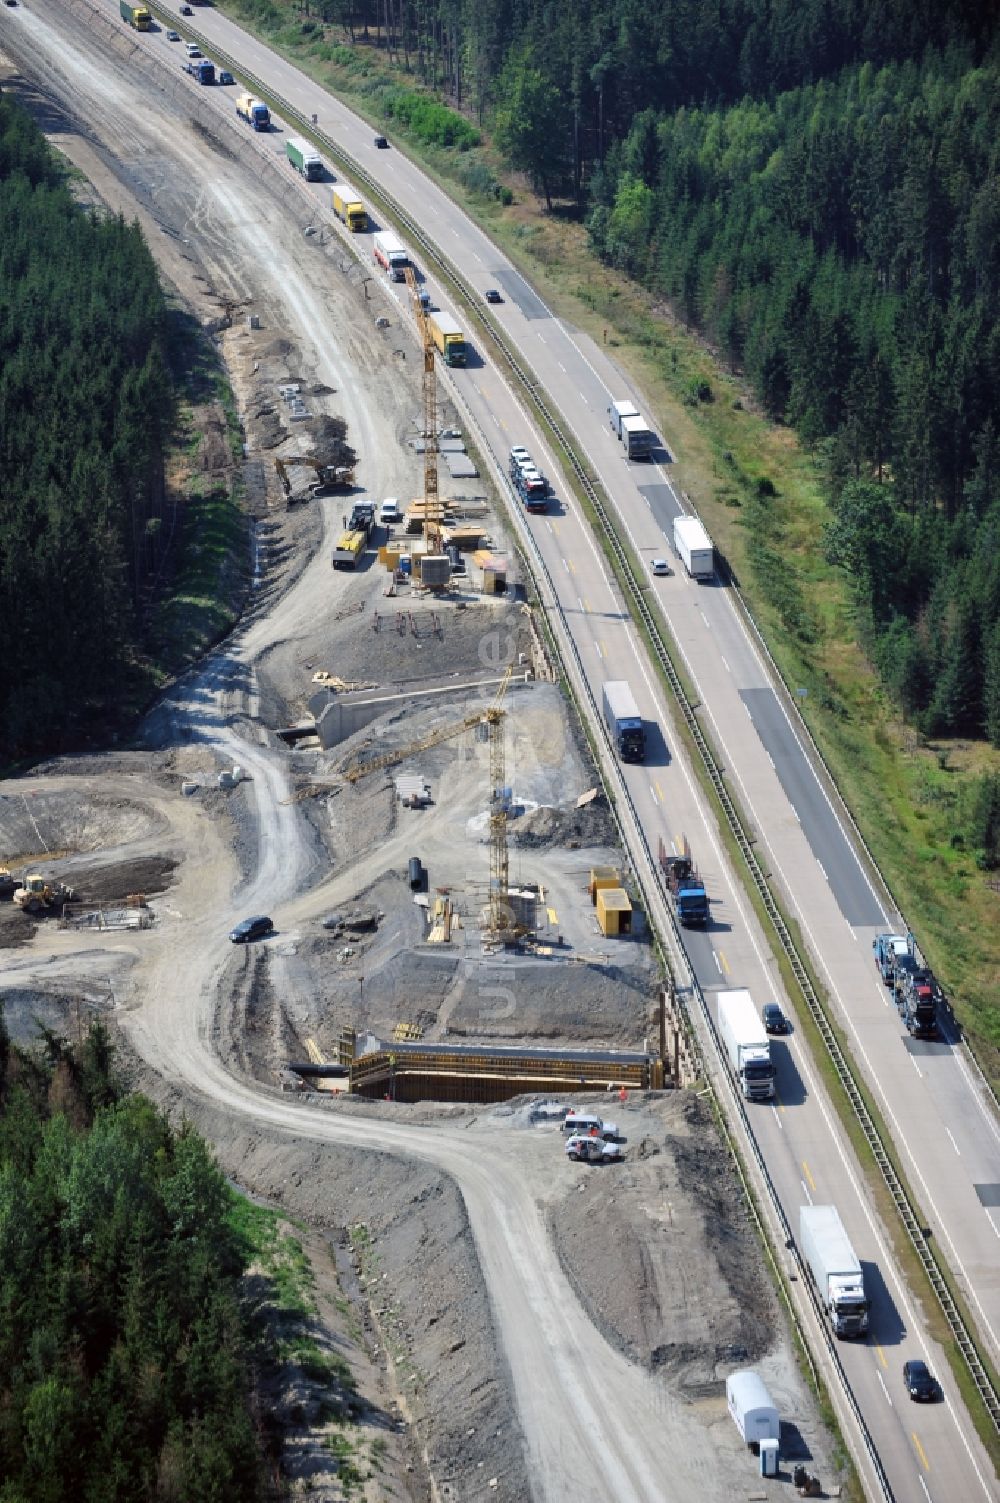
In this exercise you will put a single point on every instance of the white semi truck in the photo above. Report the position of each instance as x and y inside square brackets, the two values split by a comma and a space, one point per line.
[693, 547]
[834, 1265]
[747, 1046]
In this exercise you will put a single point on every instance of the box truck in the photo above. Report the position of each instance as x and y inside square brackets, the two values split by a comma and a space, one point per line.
[448, 337]
[304, 159]
[201, 69]
[391, 254]
[254, 111]
[834, 1265]
[747, 1046]
[693, 547]
[348, 208]
[624, 721]
[617, 412]
[638, 438]
[136, 15]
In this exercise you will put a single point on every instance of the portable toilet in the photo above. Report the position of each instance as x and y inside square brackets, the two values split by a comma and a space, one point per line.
[750, 1405]
[769, 1458]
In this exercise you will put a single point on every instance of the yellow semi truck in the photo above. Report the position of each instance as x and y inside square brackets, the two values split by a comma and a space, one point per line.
[448, 337]
[348, 207]
[136, 15]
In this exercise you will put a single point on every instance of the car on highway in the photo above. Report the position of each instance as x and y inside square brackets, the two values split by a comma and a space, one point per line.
[659, 567]
[774, 1019]
[193, 50]
[186, 10]
[173, 36]
[492, 295]
[381, 143]
[226, 78]
[251, 928]
[919, 1382]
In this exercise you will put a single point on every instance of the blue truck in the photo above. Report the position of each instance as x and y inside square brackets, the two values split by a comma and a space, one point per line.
[201, 69]
[621, 714]
[684, 885]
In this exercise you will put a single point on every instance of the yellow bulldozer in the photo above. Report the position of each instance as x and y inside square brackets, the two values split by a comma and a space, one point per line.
[35, 895]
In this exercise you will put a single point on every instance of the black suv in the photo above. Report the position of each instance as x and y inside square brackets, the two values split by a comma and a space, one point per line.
[774, 1019]
[920, 1382]
[251, 928]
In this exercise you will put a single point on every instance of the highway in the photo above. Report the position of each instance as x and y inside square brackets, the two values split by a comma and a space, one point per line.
[943, 1124]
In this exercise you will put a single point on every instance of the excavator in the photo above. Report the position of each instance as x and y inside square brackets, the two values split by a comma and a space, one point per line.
[329, 477]
[35, 894]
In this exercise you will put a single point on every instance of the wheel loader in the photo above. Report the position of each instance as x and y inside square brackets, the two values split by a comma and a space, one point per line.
[36, 895]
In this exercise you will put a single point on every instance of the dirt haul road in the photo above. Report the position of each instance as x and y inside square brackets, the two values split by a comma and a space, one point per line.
[595, 1426]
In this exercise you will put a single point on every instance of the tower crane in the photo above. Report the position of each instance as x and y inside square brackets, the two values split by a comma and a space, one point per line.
[501, 924]
[432, 508]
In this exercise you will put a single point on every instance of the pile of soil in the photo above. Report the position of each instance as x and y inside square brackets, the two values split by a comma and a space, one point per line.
[590, 826]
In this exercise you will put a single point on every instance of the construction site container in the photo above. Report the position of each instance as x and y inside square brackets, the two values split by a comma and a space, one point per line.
[614, 911]
[435, 570]
[602, 878]
[752, 1408]
[418, 876]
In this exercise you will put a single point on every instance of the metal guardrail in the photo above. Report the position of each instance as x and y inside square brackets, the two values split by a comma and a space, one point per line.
[628, 579]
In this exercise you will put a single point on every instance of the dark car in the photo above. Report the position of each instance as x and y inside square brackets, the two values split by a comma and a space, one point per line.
[226, 78]
[186, 10]
[774, 1019]
[920, 1382]
[251, 928]
[492, 295]
[381, 143]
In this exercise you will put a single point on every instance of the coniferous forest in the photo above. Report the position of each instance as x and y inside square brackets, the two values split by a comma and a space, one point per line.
[123, 1348]
[85, 410]
[815, 185]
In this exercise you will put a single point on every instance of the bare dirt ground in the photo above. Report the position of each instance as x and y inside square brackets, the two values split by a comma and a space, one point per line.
[542, 1329]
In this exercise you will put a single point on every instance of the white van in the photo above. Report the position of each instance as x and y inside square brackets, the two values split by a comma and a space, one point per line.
[390, 511]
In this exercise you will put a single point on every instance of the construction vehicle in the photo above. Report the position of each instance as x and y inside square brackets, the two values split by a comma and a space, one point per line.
[748, 1047]
[684, 885]
[448, 336]
[136, 15]
[254, 111]
[362, 518]
[350, 547]
[35, 894]
[302, 157]
[834, 1265]
[8, 884]
[348, 207]
[329, 477]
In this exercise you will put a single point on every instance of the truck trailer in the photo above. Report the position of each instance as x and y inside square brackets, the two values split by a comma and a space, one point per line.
[448, 337]
[624, 721]
[254, 111]
[638, 438]
[834, 1265]
[391, 254]
[747, 1046]
[348, 208]
[136, 15]
[617, 412]
[693, 547]
[304, 159]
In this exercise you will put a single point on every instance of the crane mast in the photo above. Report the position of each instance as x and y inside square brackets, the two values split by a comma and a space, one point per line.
[432, 515]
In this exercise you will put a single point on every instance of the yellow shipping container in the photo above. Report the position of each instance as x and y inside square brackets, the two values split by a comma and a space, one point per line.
[603, 877]
[614, 911]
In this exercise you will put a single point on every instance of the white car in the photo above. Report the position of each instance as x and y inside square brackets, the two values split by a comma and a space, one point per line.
[193, 50]
[659, 567]
[581, 1122]
[592, 1150]
[519, 456]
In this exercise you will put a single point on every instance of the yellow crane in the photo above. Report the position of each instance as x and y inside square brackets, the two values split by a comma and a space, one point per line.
[501, 922]
[432, 506]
